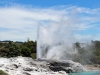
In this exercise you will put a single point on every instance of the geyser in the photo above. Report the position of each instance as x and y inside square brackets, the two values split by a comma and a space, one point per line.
[56, 40]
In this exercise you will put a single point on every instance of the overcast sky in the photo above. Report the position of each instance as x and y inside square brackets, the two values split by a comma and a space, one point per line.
[19, 19]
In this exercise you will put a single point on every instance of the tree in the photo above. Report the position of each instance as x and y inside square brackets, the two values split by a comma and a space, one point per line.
[25, 51]
[14, 50]
[96, 52]
[31, 45]
[3, 52]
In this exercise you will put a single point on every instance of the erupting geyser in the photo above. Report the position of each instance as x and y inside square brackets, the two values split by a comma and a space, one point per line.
[55, 46]
[56, 41]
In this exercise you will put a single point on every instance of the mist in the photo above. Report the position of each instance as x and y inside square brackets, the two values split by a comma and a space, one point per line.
[57, 40]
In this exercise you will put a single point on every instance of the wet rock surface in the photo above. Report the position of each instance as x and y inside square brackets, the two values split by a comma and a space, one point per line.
[28, 66]
[63, 65]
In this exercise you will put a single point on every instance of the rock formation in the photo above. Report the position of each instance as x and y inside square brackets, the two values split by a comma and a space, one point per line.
[28, 66]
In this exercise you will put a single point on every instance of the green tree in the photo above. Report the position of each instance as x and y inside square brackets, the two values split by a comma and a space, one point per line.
[31, 45]
[3, 52]
[96, 52]
[14, 50]
[25, 51]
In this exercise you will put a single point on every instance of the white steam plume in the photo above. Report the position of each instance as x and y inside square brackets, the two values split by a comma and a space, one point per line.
[56, 40]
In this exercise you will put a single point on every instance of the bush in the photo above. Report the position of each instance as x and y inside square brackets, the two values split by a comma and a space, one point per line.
[14, 50]
[3, 73]
[3, 52]
[25, 51]
[33, 55]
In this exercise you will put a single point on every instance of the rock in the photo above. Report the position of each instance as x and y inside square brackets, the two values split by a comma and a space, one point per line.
[28, 69]
[1, 65]
[62, 72]
[63, 65]
[16, 66]
[25, 73]
[28, 66]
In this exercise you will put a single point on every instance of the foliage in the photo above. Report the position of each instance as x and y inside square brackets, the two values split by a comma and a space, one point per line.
[28, 49]
[3, 73]
[25, 51]
[31, 45]
[85, 53]
[33, 55]
[96, 53]
[3, 52]
[14, 50]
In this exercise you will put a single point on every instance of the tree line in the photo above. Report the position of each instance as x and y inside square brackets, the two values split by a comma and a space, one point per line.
[14, 49]
[90, 53]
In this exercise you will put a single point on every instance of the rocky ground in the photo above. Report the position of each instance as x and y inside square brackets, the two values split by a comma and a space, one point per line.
[94, 67]
[28, 66]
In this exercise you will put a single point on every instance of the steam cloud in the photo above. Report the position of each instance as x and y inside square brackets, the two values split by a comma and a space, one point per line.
[56, 41]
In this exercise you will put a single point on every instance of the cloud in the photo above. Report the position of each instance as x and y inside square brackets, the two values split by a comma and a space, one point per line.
[22, 22]
[88, 37]
[83, 38]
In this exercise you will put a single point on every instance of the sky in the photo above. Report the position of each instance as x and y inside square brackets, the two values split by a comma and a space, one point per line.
[19, 19]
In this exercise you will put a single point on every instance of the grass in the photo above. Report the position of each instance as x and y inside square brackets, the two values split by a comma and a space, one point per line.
[3, 73]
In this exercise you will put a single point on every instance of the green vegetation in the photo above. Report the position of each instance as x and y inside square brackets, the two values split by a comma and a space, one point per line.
[3, 73]
[13, 49]
[89, 54]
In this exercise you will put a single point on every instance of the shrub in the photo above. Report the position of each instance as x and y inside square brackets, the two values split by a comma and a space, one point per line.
[33, 55]
[3, 73]
[25, 51]
[14, 50]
